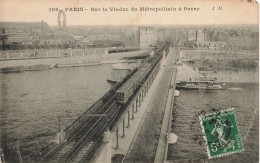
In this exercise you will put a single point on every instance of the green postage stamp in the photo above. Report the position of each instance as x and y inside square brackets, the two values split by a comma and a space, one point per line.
[221, 133]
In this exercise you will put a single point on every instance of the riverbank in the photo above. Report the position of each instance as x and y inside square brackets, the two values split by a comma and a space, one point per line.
[47, 63]
[218, 54]
[187, 73]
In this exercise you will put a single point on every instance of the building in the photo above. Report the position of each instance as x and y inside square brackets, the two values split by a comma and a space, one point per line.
[198, 35]
[23, 32]
[148, 37]
[192, 35]
[30, 28]
[19, 37]
[131, 38]
[234, 39]
[54, 39]
[200, 38]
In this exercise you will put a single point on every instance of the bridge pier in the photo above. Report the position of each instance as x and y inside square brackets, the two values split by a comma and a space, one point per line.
[142, 92]
[139, 99]
[133, 111]
[128, 119]
[117, 136]
[136, 105]
[123, 134]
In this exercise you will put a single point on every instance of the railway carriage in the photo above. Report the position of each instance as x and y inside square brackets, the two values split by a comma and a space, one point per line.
[127, 90]
[131, 85]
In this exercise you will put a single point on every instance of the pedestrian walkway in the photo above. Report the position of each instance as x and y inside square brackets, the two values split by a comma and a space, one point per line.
[144, 145]
[162, 148]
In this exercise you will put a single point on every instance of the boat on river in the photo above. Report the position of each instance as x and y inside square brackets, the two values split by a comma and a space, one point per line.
[12, 69]
[89, 63]
[200, 85]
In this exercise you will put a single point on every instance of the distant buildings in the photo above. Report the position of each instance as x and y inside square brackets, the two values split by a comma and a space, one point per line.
[23, 32]
[199, 35]
[116, 37]
[100, 37]
[201, 39]
[32, 28]
[19, 37]
[202, 35]
[40, 34]
[148, 37]
[235, 39]
[52, 39]
[132, 37]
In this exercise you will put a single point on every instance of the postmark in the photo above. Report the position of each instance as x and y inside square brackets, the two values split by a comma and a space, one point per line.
[221, 133]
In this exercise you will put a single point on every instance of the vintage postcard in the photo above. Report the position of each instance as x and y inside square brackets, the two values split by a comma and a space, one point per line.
[112, 81]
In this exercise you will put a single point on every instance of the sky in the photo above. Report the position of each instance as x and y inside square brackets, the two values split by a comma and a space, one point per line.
[232, 12]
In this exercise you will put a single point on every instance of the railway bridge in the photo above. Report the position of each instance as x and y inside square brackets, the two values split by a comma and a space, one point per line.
[109, 129]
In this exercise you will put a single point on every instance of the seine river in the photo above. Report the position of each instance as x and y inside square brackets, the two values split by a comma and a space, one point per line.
[31, 102]
[190, 146]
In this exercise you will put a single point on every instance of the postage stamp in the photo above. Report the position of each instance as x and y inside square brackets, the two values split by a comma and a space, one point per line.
[221, 133]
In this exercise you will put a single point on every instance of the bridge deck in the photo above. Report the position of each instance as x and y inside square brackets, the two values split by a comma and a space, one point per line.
[144, 146]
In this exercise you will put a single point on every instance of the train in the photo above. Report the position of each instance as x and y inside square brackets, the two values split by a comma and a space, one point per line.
[132, 85]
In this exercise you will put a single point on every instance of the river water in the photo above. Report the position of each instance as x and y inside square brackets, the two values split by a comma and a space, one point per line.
[190, 146]
[30, 103]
